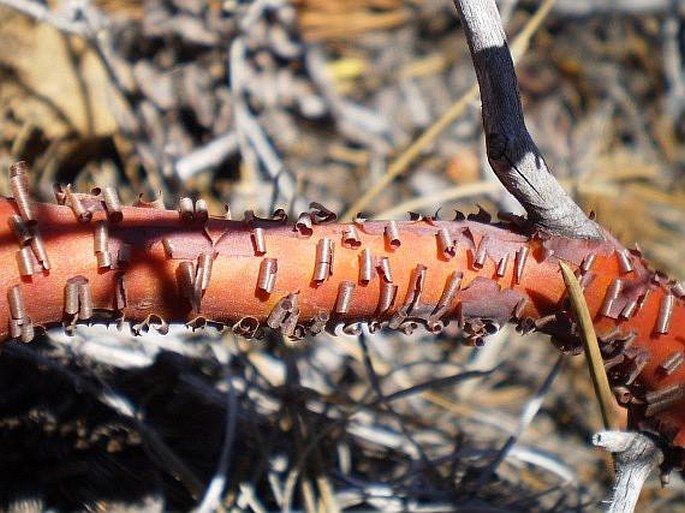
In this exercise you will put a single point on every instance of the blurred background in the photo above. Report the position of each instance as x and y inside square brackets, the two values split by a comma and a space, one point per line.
[362, 105]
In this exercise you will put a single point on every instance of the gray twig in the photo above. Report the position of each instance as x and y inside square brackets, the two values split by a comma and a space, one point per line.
[593, 7]
[212, 498]
[40, 12]
[529, 412]
[673, 61]
[635, 456]
[512, 154]
[207, 156]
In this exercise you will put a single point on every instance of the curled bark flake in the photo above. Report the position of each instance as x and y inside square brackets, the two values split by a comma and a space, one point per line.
[416, 284]
[38, 248]
[587, 262]
[353, 329]
[662, 399]
[610, 363]
[25, 261]
[258, 242]
[85, 300]
[624, 263]
[480, 254]
[397, 319]
[520, 263]
[151, 321]
[672, 362]
[203, 274]
[168, 248]
[267, 275]
[186, 209]
[519, 309]
[365, 266]
[392, 235]
[110, 196]
[586, 279]
[120, 300]
[101, 244]
[279, 216]
[449, 292]
[412, 298]
[71, 296]
[104, 259]
[319, 322]
[27, 332]
[156, 204]
[323, 265]
[384, 269]
[186, 281]
[320, 214]
[343, 300]
[201, 211]
[446, 246]
[622, 394]
[20, 229]
[502, 266]
[19, 186]
[350, 237]
[15, 299]
[284, 312]
[81, 213]
[663, 322]
[640, 360]
[678, 289]
[629, 309]
[386, 298]
[303, 225]
[246, 327]
[611, 296]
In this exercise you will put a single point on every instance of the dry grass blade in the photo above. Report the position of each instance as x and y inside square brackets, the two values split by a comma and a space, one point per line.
[594, 357]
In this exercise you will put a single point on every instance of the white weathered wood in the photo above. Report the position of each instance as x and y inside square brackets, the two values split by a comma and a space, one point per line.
[635, 456]
[513, 155]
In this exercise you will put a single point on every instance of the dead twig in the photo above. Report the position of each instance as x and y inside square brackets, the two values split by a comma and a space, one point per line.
[635, 455]
[41, 13]
[512, 153]
[428, 137]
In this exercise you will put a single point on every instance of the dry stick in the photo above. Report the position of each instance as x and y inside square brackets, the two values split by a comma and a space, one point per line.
[513, 155]
[214, 491]
[635, 455]
[401, 163]
[529, 412]
[41, 13]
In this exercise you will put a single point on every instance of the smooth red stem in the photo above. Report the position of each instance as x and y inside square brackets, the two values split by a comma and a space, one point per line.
[300, 278]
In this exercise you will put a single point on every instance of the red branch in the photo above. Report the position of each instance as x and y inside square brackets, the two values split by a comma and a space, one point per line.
[91, 260]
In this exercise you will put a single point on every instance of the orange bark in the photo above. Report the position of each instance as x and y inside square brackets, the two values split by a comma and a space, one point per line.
[498, 273]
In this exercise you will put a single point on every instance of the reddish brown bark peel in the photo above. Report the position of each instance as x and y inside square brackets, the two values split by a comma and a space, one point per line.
[91, 259]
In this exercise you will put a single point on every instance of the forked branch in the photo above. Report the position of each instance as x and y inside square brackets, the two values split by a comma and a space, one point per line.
[512, 153]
